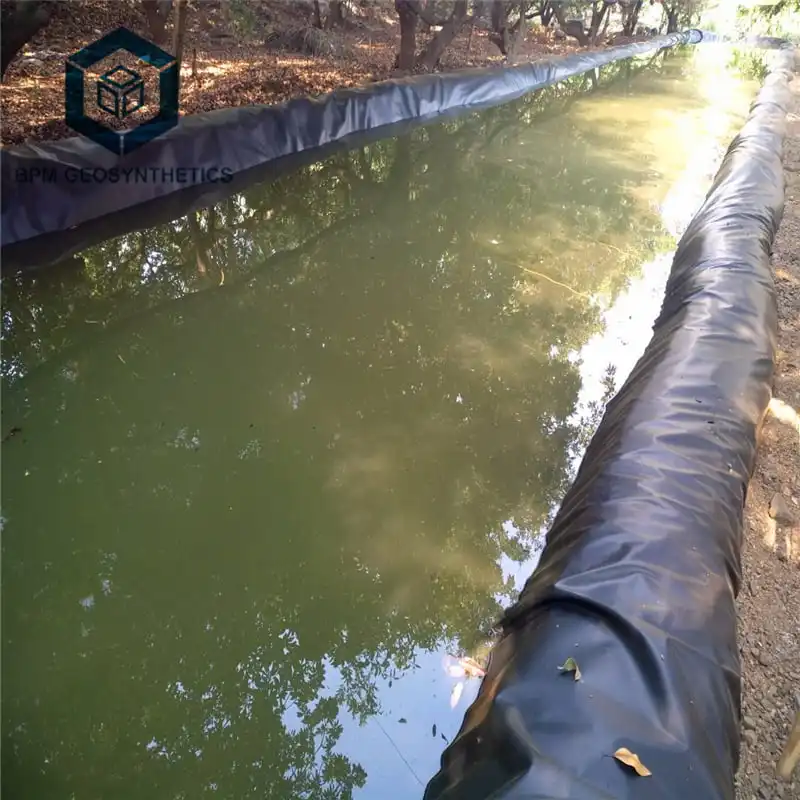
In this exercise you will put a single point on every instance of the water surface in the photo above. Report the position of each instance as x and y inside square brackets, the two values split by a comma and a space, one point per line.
[272, 468]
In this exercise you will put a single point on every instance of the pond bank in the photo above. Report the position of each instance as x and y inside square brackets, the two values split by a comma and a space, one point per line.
[769, 603]
[272, 56]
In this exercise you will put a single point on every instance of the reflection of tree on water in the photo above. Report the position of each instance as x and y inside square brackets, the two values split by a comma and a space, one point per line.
[230, 240]
[376, 389]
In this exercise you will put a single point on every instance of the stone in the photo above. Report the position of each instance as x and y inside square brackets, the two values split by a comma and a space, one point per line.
[749, 738]
[748, 723]
[779, 510]
[770, 693]
[765, 659]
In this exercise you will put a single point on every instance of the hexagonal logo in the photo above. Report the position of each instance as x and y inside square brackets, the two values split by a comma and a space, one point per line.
[120, 91]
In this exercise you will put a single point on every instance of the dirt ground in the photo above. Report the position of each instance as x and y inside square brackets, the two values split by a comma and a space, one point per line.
[769, 603]
[265, 54]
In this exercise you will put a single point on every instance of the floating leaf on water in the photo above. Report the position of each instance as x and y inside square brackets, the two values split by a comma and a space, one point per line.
[443, 736]
[632, 760]
[433, 730]
[402, 720]
[571, 665]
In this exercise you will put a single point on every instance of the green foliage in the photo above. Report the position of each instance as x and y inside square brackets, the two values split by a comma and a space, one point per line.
[781, 19]
[750, 64]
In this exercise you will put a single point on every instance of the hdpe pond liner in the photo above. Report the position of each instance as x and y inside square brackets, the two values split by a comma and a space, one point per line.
[641, 567]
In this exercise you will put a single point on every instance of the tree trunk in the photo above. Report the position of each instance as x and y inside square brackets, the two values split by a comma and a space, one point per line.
[335, 14]
[672, 19]
[546, 13]
[599, 11]
[605, 24]
[507, 37]
[430, 56]
[571, 27]
[21, 21]
[408, 35]
[157, 12]
[499, 21]
[178, 34]
[317, 15]
[631, 17]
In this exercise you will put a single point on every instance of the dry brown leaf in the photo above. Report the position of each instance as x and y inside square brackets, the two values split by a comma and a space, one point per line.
[632, 760]
[571, 665]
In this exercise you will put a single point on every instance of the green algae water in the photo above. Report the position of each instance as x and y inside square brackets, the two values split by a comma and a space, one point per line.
[271, 471]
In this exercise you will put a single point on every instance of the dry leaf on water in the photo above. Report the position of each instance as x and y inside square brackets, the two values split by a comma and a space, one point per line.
[632, 760]
[571, 665]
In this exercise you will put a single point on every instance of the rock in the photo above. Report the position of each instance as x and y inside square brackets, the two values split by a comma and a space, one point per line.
[749, 738]
[770, 693]
[748, 723]
[765, 660]
[755, 781]
[779, 510]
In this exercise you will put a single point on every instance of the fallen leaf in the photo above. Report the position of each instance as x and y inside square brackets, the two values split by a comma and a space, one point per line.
[434, 730]
[571, 665]
[632, 760]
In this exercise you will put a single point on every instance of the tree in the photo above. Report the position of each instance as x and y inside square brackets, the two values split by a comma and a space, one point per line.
[450, 24]
[571, 27]
[332, 18]
[179, 33]
[681, 13]
[600, 11]
[157, 13]
[450, 18]
[630, 15]
[508, 22]
[408, 34]
[780, 19]
[20, 21]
